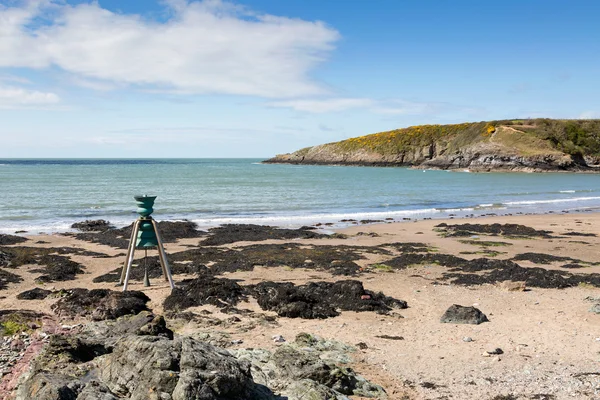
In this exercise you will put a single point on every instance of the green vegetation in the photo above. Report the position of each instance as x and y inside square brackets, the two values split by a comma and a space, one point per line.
[528, 137]
[11, 327]
[383, 267]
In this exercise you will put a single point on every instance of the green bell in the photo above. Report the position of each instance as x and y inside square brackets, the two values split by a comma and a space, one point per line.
[146, 236]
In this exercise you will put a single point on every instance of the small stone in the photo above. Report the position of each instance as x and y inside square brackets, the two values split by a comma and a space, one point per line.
[362, 345]
[510, 286]
[496, 351]
[237, 341]
[467, 339]
[278, 338]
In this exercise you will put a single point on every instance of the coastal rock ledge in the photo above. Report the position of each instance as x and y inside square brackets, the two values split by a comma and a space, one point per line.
[536, 145]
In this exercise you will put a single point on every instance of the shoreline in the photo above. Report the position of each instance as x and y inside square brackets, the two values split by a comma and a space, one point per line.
[336, 221]
[547, 335]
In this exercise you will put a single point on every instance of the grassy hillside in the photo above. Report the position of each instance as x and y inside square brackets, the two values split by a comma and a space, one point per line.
[528, 137]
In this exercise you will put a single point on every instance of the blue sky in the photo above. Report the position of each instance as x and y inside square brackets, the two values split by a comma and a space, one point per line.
[256, 78]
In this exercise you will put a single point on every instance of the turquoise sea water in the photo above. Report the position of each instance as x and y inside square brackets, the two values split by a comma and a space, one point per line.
[49, 195]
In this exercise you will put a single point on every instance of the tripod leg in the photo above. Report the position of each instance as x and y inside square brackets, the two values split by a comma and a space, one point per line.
[163, 257]
[130, 250]
[136, 228]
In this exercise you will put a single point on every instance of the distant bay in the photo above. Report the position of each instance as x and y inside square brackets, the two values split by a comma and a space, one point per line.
[49, 195]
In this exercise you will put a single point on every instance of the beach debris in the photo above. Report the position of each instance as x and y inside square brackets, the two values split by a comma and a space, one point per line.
[320, 299]
[100, 304]
[231, 233]
[457, 314]
[34, 294]
[390, 337]
[494, 352]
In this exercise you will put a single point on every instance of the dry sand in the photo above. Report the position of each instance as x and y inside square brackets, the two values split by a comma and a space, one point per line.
[550, 339]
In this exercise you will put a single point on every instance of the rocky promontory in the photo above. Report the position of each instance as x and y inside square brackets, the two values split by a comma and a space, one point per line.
[533, 145]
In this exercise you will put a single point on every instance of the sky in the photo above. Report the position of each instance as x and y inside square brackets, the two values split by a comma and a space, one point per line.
[255, 78]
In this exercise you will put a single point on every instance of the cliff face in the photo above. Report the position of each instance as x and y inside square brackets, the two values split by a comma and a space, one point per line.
[519, 145]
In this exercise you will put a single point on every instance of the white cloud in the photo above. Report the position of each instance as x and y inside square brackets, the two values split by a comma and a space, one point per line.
[15, 97]
[204, 47]
[589, 115]
[324, 105]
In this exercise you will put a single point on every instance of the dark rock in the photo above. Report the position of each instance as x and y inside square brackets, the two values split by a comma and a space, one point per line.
[98, 225]
[463, 315]
[100, 304]
[34, 294]
[231, 233]
[207, 289]
[320, 299]
[6, 240]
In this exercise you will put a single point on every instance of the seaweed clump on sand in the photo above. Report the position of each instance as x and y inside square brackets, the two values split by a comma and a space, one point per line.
[339, 260]
[320, 299]
[154, 270]
[406, 260]
[7, 240]
[231, 233]
[485, 271]
[58, 269]
[14, 257]
[8, 277]
[34, 294]
[541, 258]
[170, 231]
[98, 225]
[509, 230]
[100, 304]
[207, 289]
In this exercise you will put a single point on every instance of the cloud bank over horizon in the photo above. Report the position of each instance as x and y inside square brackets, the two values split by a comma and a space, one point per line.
[208, 47]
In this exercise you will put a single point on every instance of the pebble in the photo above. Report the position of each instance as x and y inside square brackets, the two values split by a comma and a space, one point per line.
[237, 341]
[467, 339]
[495, 351]
[278, 339]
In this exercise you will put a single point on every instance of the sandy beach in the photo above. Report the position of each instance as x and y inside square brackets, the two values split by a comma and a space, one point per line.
[549, 338]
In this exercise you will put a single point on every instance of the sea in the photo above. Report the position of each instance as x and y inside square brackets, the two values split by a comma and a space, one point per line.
[49, 195]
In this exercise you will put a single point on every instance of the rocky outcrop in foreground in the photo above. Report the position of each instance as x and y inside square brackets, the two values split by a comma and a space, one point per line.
[511, 145]
[139, 358]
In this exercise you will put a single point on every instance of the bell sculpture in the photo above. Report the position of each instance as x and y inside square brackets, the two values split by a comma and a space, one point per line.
[145, 235]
